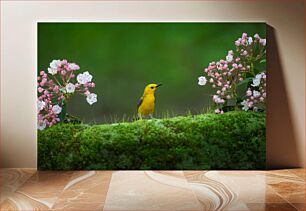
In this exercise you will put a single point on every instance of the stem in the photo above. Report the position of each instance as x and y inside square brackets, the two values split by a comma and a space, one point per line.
[57, 81]
[63, 79]
[69, 76]
[252, 69]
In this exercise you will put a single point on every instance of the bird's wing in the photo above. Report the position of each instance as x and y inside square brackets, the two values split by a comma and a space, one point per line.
[140, 102]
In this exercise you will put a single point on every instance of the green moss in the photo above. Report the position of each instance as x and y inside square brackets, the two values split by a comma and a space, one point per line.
[234, 140]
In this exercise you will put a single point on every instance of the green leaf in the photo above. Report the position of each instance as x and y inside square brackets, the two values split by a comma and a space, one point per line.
[62, 115]
[242, 87]
[63, 90]
[263, 61]
[245, 81]
[231, 102]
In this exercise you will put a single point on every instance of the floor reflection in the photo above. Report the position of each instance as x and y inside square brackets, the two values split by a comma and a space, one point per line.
[28, 189]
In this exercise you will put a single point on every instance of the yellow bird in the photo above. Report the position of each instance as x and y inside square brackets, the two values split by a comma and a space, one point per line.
[146, 103]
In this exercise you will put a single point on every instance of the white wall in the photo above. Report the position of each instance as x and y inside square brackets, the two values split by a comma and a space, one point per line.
[19, 58]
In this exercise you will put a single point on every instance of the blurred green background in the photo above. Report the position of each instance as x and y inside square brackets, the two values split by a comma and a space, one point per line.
[124, 57]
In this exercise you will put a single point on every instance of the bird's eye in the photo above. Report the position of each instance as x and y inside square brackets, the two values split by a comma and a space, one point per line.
[152, 87]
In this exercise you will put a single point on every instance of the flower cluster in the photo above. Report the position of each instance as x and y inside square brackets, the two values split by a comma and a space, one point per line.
[223, 76]
[250, 49]
[55, 88]
[256, 96]
[226, 75]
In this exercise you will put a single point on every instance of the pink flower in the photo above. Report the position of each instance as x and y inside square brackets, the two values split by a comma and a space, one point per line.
[87, 93]
[244, 53]
[249, 92]
[256, 36]
[59, 90]
[56, 89]
[64, 62]
[40, 89]
[73, 66]
[224, 75]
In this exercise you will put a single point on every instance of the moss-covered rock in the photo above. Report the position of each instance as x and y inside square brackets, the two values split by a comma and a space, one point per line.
[234, 140]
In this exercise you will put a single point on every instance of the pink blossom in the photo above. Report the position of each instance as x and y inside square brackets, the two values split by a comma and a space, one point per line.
[256, 97]
[56, 89]
[54, 92]
[64, 62]
[40, 89]
[87, 93]
[256, 36]
[249, 92]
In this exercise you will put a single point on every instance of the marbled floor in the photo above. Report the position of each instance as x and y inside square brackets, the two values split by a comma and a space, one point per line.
[28, 189]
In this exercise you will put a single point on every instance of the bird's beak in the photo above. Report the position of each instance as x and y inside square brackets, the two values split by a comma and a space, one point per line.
[158, 85]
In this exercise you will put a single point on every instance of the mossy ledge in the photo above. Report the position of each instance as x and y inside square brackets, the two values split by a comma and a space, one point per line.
[234, 140]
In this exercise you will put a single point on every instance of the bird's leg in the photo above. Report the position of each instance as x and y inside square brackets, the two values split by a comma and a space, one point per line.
[139, 116]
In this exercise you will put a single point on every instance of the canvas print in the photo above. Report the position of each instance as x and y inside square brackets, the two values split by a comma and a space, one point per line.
[151, 96]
